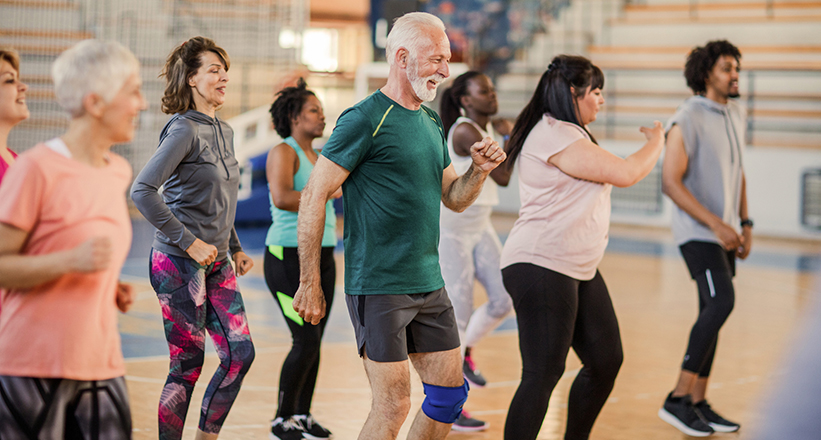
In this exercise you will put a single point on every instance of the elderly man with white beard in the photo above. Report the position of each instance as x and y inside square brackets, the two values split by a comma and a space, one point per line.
[389, 154]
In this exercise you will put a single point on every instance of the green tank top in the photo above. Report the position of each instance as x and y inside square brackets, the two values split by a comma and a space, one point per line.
[283, 230]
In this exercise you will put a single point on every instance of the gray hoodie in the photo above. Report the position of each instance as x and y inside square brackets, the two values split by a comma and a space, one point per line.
[196, 167]
[714, 142]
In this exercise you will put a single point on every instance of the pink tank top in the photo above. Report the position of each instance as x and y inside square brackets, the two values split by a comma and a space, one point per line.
[4, 165]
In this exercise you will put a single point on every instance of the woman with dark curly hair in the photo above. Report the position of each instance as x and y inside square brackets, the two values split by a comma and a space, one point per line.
[550, 260]
[194, 216]
[298, 118]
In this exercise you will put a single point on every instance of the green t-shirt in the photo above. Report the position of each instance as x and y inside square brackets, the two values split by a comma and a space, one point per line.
[396, 158]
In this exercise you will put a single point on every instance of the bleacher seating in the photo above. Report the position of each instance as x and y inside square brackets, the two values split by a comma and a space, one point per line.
[248, 29]
[642, 49]
[39, 31]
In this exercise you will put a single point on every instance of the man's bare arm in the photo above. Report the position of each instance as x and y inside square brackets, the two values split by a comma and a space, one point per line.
[746, 231]
[673, 169]
[458, 192]
[325, 179]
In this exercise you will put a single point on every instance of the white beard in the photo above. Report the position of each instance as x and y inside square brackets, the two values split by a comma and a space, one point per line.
[420, 85]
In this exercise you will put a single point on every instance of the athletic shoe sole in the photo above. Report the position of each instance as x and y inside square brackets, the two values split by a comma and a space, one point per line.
[474, 384]
[469, 428]
[678, 424]
[723, 428]
[272, 436]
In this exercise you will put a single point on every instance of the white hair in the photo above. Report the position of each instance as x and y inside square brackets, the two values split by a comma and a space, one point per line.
[407, 33]
[91, 66]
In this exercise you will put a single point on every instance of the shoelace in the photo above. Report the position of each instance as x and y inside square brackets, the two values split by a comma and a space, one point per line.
[292, 423]
[309, 421]
[470, 363]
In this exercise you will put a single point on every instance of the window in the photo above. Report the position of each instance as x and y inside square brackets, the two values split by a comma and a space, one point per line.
[319, 49]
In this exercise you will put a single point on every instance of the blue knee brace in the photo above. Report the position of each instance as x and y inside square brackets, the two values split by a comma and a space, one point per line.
[444, 404]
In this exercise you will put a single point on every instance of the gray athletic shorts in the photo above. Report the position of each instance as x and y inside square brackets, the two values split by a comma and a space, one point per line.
[394, 325]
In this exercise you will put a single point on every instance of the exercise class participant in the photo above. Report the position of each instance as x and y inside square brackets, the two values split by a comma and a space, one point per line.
[703, 175]
[550, 258]
[298, 118]
[13, 109]
[189, 268]
[469, 247]
[65, 233]
[391, 154]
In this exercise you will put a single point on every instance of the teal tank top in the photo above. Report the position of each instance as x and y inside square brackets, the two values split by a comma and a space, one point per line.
[283, 230]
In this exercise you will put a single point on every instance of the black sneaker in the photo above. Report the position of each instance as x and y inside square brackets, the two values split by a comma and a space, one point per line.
[718, 423]
[313, 430]
[286, 429]
[679, 412]
[466, 423]
[472, 374]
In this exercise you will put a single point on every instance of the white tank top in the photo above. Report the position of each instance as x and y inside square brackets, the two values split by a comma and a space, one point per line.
[490, 192]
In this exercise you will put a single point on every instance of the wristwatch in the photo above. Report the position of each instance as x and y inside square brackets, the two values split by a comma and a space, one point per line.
[746, 222]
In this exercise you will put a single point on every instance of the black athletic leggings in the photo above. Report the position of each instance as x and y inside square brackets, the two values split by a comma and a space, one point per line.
[298, 377]
[556, 312]
[713, 268]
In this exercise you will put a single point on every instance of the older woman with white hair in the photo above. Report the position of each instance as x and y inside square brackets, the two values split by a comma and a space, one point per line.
[64, 236]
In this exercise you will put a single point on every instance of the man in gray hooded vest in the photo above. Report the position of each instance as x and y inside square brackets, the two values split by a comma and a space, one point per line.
[703, 175]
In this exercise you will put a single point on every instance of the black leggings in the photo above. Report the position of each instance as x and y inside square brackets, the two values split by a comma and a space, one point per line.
[556, 312]
[36, 408]
[713, 268]
[298, 377]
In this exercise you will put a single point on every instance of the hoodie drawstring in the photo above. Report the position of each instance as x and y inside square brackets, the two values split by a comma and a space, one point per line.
[728, 122]
[222, 158]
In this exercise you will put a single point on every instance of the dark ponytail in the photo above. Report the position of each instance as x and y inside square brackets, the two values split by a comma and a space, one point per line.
[553, 95]
[449, 108]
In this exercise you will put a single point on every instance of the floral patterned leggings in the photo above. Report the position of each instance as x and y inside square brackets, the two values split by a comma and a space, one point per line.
[196, 298]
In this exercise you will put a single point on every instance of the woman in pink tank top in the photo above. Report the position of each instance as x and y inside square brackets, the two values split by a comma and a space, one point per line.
[13, 109]
[549, 262]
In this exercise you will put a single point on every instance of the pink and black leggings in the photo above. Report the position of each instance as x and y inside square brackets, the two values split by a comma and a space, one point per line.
[194, 299]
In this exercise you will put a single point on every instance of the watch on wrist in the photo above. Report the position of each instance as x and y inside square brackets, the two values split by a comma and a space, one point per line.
[746, 222]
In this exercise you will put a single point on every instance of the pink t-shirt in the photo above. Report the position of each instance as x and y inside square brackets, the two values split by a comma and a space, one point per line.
[66, 328]
[5, 165]
[564, 221]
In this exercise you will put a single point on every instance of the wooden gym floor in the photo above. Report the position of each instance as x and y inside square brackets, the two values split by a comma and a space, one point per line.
[655, 301]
